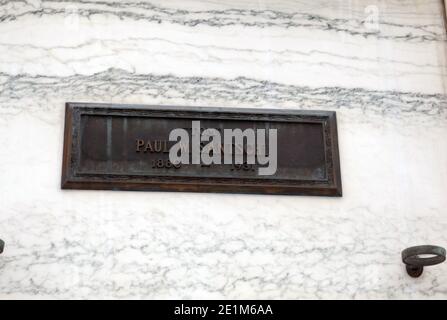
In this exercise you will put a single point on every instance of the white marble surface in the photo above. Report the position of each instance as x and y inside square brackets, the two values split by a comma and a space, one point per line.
[385, 77]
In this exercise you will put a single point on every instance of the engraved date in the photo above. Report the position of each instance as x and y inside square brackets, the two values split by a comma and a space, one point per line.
[165, 164]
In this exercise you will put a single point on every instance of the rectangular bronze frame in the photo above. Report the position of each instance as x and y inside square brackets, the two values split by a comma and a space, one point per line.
[74, 180]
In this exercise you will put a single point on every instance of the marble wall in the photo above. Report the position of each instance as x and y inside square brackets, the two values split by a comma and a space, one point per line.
[380, 64]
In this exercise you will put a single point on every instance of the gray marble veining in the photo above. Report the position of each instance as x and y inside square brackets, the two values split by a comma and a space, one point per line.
[119, 83]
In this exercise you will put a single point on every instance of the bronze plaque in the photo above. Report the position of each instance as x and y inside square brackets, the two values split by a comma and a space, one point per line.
[127, 147]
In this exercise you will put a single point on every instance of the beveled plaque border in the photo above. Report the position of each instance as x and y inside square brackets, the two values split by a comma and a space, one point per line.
[73, 179]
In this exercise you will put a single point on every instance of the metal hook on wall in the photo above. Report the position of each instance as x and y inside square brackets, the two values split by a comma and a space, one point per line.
[415, 262]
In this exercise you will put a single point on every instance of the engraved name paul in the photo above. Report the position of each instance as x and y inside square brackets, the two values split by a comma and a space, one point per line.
[247, 149]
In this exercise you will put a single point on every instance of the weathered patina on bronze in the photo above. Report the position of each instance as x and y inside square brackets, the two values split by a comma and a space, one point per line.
[126, 147]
